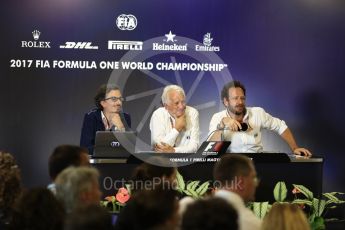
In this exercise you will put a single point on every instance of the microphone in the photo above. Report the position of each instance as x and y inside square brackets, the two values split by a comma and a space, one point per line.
[218, 129]
[243, 129]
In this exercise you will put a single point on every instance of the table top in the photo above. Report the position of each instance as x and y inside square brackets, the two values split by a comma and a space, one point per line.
[257, 157]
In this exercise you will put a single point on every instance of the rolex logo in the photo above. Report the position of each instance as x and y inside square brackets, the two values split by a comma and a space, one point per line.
[36, 44]
[36, 34]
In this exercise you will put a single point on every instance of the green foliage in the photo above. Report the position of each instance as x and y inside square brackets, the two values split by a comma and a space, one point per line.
[306, 192]
[317, 207]
[280, 191]
[261, 208]
[318, 224]
[112, 206]
[180, 182]
[302, 202]
[192, 188]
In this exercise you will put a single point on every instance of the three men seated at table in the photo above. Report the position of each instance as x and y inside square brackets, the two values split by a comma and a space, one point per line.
[175, 126]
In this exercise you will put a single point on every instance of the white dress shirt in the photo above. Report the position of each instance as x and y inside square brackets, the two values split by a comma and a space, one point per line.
[250, 140]
[162, 130]
[246, 218]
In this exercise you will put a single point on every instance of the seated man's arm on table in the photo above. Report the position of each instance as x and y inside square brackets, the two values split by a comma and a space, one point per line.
[159, 131]
[280, 127]
[192, 145]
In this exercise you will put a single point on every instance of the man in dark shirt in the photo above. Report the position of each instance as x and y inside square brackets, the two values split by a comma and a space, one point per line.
[107, 116]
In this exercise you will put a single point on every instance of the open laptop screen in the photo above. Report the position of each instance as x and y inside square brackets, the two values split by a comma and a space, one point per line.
[111, 144]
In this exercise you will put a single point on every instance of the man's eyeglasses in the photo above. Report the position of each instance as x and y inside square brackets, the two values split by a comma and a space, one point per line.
[115, 99]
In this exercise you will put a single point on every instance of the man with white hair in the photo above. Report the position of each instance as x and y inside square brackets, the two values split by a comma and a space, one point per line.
[174, 127]
[78, 187]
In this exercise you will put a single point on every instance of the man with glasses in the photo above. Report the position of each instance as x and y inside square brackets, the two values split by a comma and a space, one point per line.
[107, 116]
[174, 127]
[236, 181]
[242, 126]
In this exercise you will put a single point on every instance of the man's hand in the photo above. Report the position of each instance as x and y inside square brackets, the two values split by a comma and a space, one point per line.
[290, 140]
[180, 123]
[231, 123]
[164, 148]
[116, 120]
[302, 152]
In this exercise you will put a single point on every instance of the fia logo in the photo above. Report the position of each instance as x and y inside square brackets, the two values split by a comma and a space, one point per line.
[126, 22]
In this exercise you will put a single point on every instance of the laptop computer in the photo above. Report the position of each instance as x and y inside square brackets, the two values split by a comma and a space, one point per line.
[110, 144]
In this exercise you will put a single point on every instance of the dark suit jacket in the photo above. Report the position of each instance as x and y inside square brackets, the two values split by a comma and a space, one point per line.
[93, 123]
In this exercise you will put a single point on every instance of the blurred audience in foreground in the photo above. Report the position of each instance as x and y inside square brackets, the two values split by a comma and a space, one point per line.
[64, 156]
[150, 209]
[237, 178]
[38, 209]
[92, 217]
[10, 187]
[78, 187]
[285, 216]
[209, 214]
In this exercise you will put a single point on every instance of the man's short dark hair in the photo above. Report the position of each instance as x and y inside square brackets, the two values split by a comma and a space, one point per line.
[214, 213]
[102, 92]
[231, 166]
[64, 156]
[147, 171]
[227, 86]
[149, 209]
[38, 209]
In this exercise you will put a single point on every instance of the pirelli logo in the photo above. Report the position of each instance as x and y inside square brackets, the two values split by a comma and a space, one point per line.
[125, 45]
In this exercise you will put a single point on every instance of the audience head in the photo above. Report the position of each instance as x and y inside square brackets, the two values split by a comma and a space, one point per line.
[10, 185]
[109, 98]
[150, 209]
[236, 173]
[64, 156]
[92, 217]
[173, 99]
[78, 187]
[208, 214]
[153, 173]
[38, 209]
[285, 216]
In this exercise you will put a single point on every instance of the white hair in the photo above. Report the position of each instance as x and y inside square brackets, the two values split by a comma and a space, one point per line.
[71, 182]
[169, 88]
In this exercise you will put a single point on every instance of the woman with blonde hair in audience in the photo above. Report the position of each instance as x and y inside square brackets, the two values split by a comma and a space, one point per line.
[285, 216]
